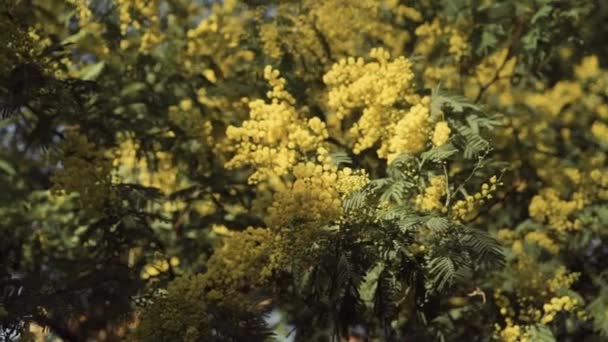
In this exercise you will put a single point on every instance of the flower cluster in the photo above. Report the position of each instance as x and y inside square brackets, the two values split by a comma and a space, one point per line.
[463, 209]
[216, 38]
[562, 279]
[458, 45]
[314, 198]
[411, 134]
[511, 332]
[130, 166]
[374, 88]
[349, 181]
[441, 133]
[599, 187]
[147, 9]
[158, 266]
[543, 240]
[600, 131]
[549, 207]
[428, 35]
[246, 260]
[553, 100]
[493, 75]
[243, 264]
[362, 17]
[133, 16]
[556, 305]
[275, 138]
[84, 13]
[270, 36]
[431, 198]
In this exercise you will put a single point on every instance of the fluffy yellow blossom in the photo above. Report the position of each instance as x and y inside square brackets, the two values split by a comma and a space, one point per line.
[444, 75]
[312, 199]
[139, 18]
[602, 111]
[573, 174]
[463, 209]
[556, 305]
[493, 74]
[543, 240]
[498, 64]
[562, 279]
[270, 36]
[411, 133]
[431, 198]
[375, 87]
[247, 259]
[549, 207]
[428, 35]
[156, 170]
[599, 177]
[552, 101]
[458, 45]
[441, 134]
[404, 12]
[131, 10]
[158, 266]
[277, 83]
[217, 36]
[274, 138]
[506, 235]
[589, 68]
[511, 332]
[600, 131]
[363, 17]
[84, 13]
[149, 40]
[599, 184]
[350, 181]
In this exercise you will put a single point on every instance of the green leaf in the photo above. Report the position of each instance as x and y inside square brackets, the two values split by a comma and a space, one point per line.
[540, 333]
[442, 272]
[75, 38]
[438, 223]
[92, 71]
[339, 158]
[133, 88]
[6, 167]
[543, 12]
[354, 201]
[439, 154]
[598, 309]
[488, 41]
[488, 250]
[367, 288]
[394, 192]
[457, 103]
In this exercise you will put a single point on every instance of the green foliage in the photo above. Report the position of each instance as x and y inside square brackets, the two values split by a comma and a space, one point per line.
[430, 170]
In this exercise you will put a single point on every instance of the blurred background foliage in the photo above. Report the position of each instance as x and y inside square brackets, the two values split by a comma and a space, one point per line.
[394, 170]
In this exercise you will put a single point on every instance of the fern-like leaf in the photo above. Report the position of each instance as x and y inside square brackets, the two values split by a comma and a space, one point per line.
[354, 201]
[394, 192]
[443, 273]
[438, 154]
[487, 249]
[540, 333]
[438, 224]
[458, 104]
[339, 158]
